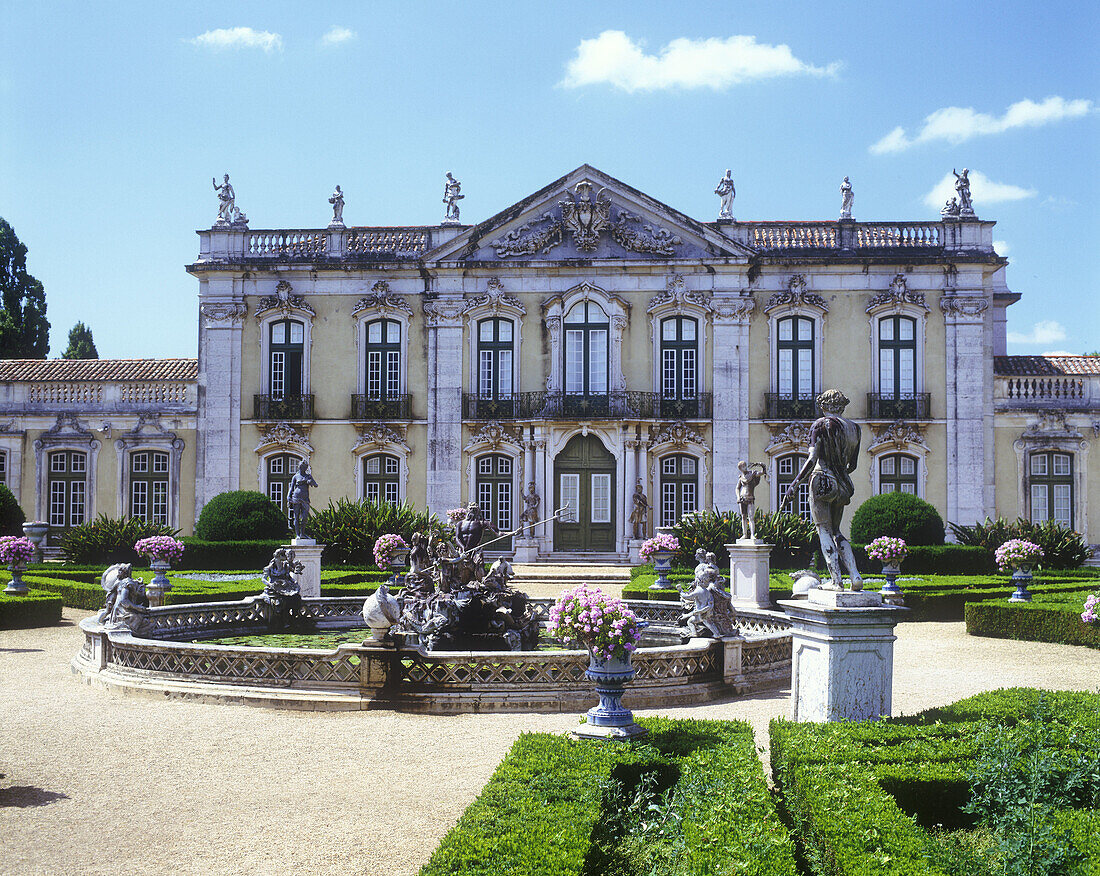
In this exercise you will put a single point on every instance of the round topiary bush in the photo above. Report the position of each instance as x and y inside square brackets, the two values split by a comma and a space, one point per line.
[241, 515]
[11, 515]
[901, 515]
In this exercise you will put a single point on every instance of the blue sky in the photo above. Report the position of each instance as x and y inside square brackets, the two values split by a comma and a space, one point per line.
[116, 116]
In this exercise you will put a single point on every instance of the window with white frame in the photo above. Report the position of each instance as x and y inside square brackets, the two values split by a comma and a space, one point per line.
[679, 487]
[897, 352]
[787, 467]
[287, 345]
[383, 361]
[795, 358]
[586, 350]
[149, 486]
[1050, 481]
[381, 474]
[279, 469]
[3, 467]
[494, 357]
[494, 493]
[68, 485]
[679, 355]
[897, 473]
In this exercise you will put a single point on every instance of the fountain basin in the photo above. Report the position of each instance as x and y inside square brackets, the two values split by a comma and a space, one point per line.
[168, 661]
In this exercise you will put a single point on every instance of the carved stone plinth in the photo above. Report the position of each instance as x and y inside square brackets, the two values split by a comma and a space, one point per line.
[749, 570]
[308, 553]
[634, 545]
[842, 666]
[527, 550]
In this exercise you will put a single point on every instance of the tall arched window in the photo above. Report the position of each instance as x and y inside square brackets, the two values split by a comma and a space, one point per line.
[586, 354]
[279, 469]
[679, 487]
[786, 468]
[494, 494]
[149, 486]
[1050, 479]
[68, 484]
[897, 473]
[381, 478]
[494, 367]
[287, 344]
[795, 366]
[679, 367]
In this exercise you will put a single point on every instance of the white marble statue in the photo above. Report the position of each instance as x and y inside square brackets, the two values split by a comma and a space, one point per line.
[951, 208]
[962, 188]
[337, 201]
[707, 606]
[727, 193]
[452, 189]
[125, 602]
[228, 211]
[381, 610]
[847, 197]
[833, 452]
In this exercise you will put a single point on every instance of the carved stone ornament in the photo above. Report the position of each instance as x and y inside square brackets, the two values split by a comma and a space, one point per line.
[494, 435]
[148, 428]
[1051, 424]
[950, 277]
[796, 295]
[518, 242]
[381, 299]
[284, 302]
[794, 434]
[679, 434]
[8, 427]
[67, 427]
[223, 312]
[586, 217]
[284, 436]
[735, 309]
[898, 293]
[444, 313]
[678, 294]
[646, 239]
[964, 305]
[379, 435]
[898, 434]
[495, 298]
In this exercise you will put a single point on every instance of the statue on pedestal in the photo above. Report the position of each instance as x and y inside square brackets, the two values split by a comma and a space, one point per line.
[281, 590]
[297, 498]
[833, 452]
[530, 515]
[452, 189]
[751, 473]
[707, 606]
[951, 209]
[962, 187]
[727, 193]
[639, 511]
[847, 197]
[337, 201]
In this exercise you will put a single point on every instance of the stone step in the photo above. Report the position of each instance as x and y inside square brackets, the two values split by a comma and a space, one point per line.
[570, 572]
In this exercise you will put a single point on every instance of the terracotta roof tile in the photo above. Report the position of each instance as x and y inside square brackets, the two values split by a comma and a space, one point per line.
[1032, 365]
[12, 370]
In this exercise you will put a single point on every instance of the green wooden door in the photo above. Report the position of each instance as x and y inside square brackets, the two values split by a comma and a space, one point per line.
[584, 479]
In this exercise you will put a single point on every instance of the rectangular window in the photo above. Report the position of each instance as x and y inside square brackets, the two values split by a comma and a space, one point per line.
[887, 465]
[485, 499]
[597, 361]
[297, 333]
[1061, 464]
[908, 488]
[689, 374]
[485, 465]
[372, 490]
[77, 463]
[275, 493]
[805, 373]
[160, 502]
[786, 373]
[393, 374]
[160, 463]
[1040, 512]
[687, 465]
[76, 504]
[278, 375]
[504, 508]
[505, 373]
[374, 374]
[1063, 511]
[1039, 464]
[486, 330]
[504, 465]
[139, 499]
[668, 504]
[689, 497]
[57, 503]
[393, 333]
[391, 465]
[374, 333]
[3, 468]
[574, 361]
[57, 462]
[906, 379]
[668, 374]
[886, 371]
[373, 465]
[908, 466]
[275, 465]
[140, 463]
[486, 373]
[391, 493]
[601, 498]
[570, 492]
[668, 465]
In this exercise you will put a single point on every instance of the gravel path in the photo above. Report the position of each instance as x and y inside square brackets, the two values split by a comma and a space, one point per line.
[95, 782]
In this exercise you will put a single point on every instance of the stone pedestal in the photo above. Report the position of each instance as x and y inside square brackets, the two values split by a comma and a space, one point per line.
[633, 546]
[749, 571]
[308, 553]
[842, 666]
[527, 550]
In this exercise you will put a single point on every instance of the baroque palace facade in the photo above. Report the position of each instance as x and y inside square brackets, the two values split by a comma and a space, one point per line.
[583, 340]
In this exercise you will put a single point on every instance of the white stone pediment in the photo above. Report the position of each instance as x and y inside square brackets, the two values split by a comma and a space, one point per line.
[587, 215]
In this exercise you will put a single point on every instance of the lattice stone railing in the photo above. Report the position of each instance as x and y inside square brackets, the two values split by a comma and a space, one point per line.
[401, 243]
[767, 658]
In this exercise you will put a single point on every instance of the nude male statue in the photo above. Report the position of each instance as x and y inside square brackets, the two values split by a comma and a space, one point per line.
[751, 473]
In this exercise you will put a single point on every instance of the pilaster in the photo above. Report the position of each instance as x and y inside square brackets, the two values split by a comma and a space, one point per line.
[444, 451]
[730, 438]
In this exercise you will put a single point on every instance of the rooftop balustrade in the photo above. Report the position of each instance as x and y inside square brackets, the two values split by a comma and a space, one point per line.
[1036, 392]
[98, 396]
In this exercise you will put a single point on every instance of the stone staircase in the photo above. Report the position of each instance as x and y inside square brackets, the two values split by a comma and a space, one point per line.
[549, 579]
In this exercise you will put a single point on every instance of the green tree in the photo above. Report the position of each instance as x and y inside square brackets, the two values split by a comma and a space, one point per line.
[81, 343]
[24, 329]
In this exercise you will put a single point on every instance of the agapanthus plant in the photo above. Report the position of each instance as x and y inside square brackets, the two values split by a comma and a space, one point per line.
[1091, 614]
[601, 623]
[659, 542]
[160, 547]
[14, 549]
[888, 550]
[1017, 552]
[386, 548]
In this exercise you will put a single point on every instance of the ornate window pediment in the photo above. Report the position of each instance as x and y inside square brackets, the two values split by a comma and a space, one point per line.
[67, 429]
[796, 296]
[493, 436]
[678, 434]
[897, 295]
[899, 435]
[494, 300]
[382, 301]
[793, 436]
[375, 436]
[285, 303]
[678, 297]
[285, 437]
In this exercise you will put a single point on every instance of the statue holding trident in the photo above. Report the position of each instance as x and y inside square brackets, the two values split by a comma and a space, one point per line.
[727, 193]
[833, 451]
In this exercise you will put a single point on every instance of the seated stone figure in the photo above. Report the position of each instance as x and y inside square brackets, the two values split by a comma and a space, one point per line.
[281, 591]
[126, 601]
[707, 606]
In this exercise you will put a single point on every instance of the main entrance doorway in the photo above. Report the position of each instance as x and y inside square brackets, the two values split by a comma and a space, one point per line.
[584, 480]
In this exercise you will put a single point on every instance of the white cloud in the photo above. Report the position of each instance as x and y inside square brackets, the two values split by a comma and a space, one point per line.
[999, 246]
[616, 59]
[956, 124]
[239, 38]
[337, 35]
[1057, 353]
[1045, 331]
[983, 191]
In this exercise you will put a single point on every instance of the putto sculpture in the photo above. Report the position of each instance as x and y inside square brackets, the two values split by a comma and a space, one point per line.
[751, 473]
[847, 196]
[337, 201]
[229, 213]
[452, 194]
[281, 590]
[833, 452]
[125, 600]
[727, 193]
[297, 498]
[708, 609]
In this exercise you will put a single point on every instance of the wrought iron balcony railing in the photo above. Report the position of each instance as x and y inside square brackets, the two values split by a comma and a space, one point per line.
[476, 407]
[789, 406]
[904, 406]
[368, 407]
[698, 408]
[558, 405]
[289, 407]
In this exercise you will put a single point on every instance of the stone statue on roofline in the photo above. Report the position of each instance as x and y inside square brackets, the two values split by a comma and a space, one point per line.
[847, 197]
[452, 194]
[962, 188]
[229, 214]
[337, 201]
[727, 193]
[833, 452]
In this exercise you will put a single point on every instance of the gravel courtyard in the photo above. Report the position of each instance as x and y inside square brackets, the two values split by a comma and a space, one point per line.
[94, 782]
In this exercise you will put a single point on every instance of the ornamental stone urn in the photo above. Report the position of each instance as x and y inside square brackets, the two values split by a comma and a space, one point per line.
[16, 584]
[397, 565]
[36, 531]
[1021, 577]
[608, 719]
[160, 584]
[890, 591]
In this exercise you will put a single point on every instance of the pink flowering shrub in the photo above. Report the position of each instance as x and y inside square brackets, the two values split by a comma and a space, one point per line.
[455, 515]
[386, 548]
[602, 623]
[15, 549]
[160, 547]
[1015, 552]
[1092, 606]
[659, 542]
[888, 550]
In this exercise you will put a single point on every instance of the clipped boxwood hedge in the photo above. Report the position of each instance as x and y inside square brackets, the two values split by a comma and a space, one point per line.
[1034, 621]
[227, 555]
[36, 608]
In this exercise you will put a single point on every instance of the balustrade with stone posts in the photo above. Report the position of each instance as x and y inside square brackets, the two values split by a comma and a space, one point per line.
[1032, 392]
[108, 396]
